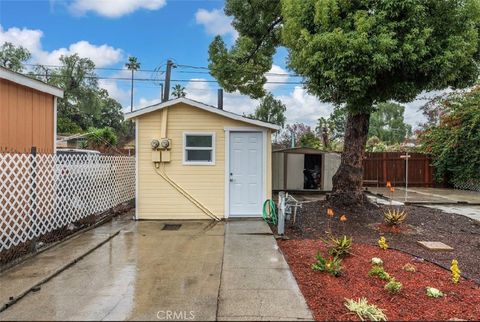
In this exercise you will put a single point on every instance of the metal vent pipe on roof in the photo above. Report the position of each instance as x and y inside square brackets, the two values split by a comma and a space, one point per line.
[220, 99]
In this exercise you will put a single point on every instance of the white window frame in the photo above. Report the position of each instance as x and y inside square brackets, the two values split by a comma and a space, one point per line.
[184, 148]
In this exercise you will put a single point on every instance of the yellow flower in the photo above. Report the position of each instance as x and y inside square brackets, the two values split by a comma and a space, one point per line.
[455, 271]
[330, 212]
[343, 218]
[382, 243]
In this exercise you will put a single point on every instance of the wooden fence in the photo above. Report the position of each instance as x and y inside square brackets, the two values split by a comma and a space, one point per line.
[380, 167]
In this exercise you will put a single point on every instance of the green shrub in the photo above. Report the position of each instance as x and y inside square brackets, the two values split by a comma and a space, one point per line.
[379, 272]
[393, 286]
[332, 266]
[453, 140]
[340, 247]
[434, 292]
[365, 311]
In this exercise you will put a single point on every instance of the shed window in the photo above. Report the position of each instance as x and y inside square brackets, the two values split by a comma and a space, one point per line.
[199, 148]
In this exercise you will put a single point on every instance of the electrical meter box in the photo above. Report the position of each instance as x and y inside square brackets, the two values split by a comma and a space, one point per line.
[156, 156]
[165, 155]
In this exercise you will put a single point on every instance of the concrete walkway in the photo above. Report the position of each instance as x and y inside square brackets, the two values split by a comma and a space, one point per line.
[146, 273]
[257, 283]
[18, 281]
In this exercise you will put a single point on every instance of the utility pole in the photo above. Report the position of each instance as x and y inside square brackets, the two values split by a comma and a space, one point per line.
[168, 74]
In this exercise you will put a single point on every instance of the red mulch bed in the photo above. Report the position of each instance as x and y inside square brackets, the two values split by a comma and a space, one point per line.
[326, 294]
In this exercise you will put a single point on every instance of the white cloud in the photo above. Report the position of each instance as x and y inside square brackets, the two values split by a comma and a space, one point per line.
[143, 102]
[303, 107]
[215, 22]
[234, 102]
[114, 8]
[276, 74]
[102, 55]
[114, 91]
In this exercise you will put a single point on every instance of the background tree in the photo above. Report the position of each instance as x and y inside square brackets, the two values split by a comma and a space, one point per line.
[178, 91]
[270, 110]
[101, 139]
[310, 140]
[13, 57]
[454, 143]
[293, 132]
[387, 123]
[133, 65]
[85, 105]
[335, 123]
[352, 53]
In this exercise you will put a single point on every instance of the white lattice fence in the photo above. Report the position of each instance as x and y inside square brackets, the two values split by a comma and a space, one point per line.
[46, 192]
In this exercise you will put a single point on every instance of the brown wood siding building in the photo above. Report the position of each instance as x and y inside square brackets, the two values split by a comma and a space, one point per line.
[27, 114]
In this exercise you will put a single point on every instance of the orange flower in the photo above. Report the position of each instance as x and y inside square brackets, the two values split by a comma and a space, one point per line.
[392, 190]
[330, 212]
[343, 218]
[389, 184]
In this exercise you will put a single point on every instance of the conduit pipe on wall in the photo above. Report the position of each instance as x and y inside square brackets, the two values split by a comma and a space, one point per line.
[161, 172]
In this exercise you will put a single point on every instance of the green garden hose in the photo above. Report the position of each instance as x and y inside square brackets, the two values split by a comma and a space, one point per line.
[270, 215]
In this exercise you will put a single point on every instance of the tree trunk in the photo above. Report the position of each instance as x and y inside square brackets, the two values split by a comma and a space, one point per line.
[348, 180]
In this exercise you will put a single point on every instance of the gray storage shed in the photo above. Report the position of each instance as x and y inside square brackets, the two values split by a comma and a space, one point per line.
[305, 169]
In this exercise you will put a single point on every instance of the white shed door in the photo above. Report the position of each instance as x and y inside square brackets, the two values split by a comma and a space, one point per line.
[246, 173]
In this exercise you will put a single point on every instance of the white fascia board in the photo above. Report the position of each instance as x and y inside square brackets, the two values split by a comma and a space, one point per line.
[202, 106]
[23, 80]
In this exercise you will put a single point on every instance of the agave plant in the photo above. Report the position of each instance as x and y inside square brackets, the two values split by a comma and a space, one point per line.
[394, 216]
[364, 310]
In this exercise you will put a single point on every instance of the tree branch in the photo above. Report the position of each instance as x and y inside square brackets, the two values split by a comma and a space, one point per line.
[264, 37]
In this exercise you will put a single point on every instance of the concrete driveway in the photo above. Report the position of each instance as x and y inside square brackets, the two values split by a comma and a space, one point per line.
[198, 272]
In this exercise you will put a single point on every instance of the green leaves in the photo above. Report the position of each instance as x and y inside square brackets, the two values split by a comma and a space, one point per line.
[270, 110]
[454, 143]
[353, 52]
[12, 56]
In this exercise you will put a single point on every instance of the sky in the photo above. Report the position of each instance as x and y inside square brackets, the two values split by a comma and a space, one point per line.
[109, 31]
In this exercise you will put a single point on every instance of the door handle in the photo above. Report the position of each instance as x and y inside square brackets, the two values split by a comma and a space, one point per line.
[231, 179]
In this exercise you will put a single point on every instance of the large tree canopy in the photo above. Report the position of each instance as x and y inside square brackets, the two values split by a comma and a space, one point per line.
[355, 53]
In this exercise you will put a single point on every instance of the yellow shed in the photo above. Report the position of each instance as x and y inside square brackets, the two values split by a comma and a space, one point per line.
[196, 161]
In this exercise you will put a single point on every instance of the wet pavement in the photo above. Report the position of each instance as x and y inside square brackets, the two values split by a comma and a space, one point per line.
[429, 195]
[452, 201]
[257, 284]
[146, 273]
[16, 282]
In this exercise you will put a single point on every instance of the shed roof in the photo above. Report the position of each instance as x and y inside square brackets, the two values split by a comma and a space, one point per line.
[302, 150]
[24, 80]
[202, 106]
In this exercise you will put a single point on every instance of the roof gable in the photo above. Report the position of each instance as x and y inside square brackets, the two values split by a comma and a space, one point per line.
[36, 84]
[202, 106]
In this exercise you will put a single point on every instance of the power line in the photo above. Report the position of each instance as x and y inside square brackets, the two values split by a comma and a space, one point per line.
[153, 80]
[206, 68]
[157, 70]
[97, 68]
